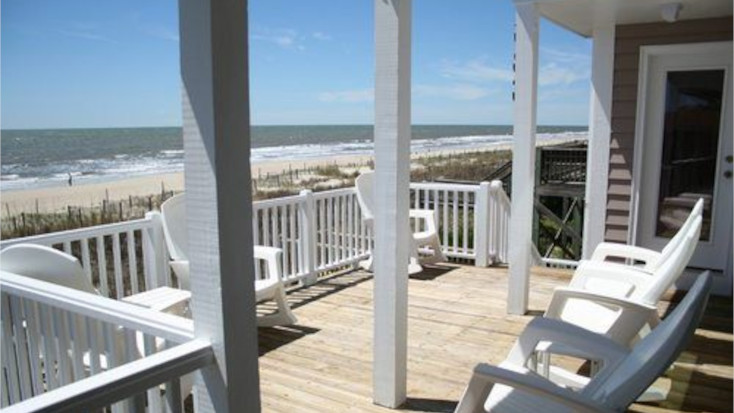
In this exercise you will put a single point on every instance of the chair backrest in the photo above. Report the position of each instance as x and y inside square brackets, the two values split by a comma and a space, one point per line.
[620, 386]
[671, 269]
[696, 212]
[45, 264]
[173, 212]
[365, 193]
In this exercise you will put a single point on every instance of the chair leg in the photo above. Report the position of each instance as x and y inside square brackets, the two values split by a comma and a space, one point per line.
[368, 264]
[438, 255]
[283, 317]
[438, 252]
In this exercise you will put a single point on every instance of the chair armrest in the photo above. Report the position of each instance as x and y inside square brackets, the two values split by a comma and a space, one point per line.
[271, 256]
[631, 318]
[164, 299]
[593, 346]
[631, 278]
[485, 376]
[606, 250]
[421, 214]
[426, 215]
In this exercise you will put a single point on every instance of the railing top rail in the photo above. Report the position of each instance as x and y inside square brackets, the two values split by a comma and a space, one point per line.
[269, 203]
[333, 192]
[444, 186]
[61, 236]
[129, 379]
[166, 326]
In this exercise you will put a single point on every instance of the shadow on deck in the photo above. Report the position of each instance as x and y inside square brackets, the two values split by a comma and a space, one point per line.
[457, 319]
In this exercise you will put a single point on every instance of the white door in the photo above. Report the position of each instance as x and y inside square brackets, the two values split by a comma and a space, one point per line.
[686, 144]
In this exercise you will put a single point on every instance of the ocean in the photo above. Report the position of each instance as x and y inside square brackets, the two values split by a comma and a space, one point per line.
[42, 158]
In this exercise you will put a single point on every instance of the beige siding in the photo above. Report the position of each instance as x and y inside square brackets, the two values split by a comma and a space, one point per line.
[629, 38]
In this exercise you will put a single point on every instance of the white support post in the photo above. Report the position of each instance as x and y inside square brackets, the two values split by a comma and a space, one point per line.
[481, 225]
[308, 236]
[392, 179]
[523, 155]
[600, 130]
[216, 131]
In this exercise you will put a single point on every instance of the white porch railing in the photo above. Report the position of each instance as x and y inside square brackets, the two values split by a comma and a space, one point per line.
[66, 350]
[318, 232]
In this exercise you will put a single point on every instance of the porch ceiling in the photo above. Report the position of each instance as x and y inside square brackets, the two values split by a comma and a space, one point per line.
[580, 16]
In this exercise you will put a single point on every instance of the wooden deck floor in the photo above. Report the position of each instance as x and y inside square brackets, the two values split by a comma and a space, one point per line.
[456, 319]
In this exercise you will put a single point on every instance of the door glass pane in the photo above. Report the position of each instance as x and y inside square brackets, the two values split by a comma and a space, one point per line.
[693, 101]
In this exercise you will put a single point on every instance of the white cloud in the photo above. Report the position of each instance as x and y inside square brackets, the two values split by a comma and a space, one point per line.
[163, 33]
[567, 69]
[564, 56]
[348, 96]
[476, 71]
[320, 36]
[453, 92]
[283, 41]
[553, 74]
[86, 35]
[464, 92]
[284, 38]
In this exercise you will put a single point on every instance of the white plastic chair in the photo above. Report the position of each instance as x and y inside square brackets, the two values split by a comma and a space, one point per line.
[644, 258]
[512, 387]
[46, 264]
[57, 267]
[428, 237]
[575, 303]
[269, 287]
[616, 301]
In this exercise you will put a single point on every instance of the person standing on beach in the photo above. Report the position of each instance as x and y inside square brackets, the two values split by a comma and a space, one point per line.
[70, 179]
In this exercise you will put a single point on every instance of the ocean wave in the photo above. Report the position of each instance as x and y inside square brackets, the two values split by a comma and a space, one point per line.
[9, 177]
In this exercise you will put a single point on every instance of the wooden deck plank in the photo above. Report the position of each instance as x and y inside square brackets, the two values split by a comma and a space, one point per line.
[457, 319]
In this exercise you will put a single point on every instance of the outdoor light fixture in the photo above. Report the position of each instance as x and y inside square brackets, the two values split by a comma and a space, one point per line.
[670, 11]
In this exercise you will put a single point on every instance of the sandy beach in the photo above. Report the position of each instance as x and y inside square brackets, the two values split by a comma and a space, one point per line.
[54, 199]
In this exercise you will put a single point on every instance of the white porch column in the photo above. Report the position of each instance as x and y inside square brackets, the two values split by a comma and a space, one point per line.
[392, 178]
[216, 129]
[600, 130]
[523, 156]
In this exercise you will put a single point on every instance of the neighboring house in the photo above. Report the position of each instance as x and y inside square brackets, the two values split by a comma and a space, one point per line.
[661, 121]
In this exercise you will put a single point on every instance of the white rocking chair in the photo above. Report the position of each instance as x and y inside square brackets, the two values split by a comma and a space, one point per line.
[427, 237]
[512, 387]
[616, 301]
[644, 258]
[269, 287]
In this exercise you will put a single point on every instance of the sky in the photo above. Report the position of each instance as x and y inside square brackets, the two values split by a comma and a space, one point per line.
[115, 63]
